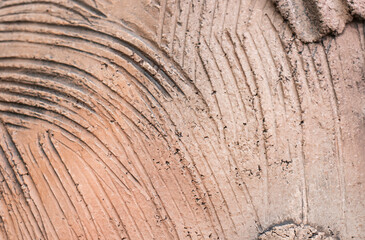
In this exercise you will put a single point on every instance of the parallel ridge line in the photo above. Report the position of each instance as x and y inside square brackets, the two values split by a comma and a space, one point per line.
[57, 157]
[19, 176]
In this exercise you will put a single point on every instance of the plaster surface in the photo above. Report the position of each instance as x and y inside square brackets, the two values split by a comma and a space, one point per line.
[164, 119]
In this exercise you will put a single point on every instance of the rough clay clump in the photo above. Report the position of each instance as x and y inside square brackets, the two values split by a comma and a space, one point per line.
[294, 232]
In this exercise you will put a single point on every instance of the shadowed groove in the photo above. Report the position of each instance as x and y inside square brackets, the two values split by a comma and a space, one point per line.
[95, 81]
[99, 204]
[59, 89]
[335, 109]
[18, 176]
[105, 37]
[69, 177]
[286, 67]
[40, 113]
[66, 200]
[33, 89]
[89, 8]
[245, 191]
[144, 72]
[56, 207]
[244, 103]
[139, 161]
[151, 78]
[99, 193]
[7, 4]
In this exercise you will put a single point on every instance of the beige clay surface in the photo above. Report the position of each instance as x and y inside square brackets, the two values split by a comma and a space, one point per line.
[182, 119]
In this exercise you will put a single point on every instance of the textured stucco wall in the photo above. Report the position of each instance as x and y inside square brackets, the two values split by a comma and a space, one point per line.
[190, 119]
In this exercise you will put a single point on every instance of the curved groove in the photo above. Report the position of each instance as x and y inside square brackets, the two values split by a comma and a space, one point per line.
[83, 73]
[39, 117]
[38, 112]
[69, 177]
[95, 81]
[18, 176]
[60, 6]
[147, 72]
[14, 82]
[89, 8]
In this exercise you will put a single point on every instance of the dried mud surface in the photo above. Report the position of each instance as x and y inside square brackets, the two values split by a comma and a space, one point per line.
[187, 119]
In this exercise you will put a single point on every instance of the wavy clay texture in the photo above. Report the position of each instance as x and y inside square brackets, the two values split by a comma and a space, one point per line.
[177, 119]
